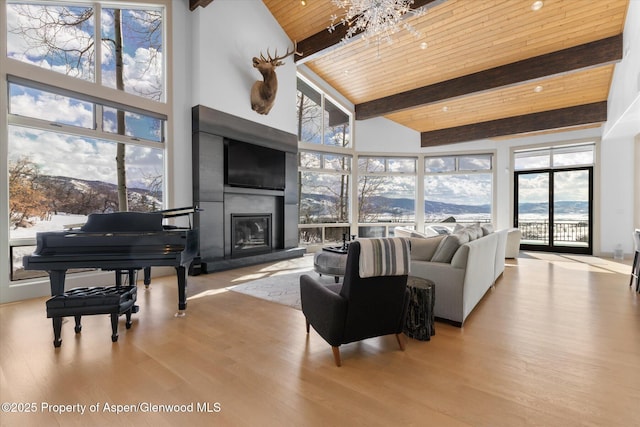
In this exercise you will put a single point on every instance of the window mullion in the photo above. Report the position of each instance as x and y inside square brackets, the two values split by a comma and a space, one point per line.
[98, 115]
[49, 126]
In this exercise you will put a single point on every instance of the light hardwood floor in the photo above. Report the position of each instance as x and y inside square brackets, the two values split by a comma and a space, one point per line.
[555, 343]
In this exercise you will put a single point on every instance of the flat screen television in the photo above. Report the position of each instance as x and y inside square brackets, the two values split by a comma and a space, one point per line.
[253, 166]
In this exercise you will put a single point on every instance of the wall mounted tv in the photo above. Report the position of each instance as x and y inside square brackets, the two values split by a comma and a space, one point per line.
[253, 166]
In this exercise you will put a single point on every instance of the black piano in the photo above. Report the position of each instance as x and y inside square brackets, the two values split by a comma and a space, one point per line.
[120, 241]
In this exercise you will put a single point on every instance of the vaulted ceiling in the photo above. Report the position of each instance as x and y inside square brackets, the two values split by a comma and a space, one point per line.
[491, 68]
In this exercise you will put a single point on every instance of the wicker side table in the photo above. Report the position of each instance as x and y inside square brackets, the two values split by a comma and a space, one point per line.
[419, 320]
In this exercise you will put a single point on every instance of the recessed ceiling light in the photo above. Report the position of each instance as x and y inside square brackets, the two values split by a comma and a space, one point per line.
[303, 2]
[423, 45]
[537, 89]
[537, 5]
[445, 108]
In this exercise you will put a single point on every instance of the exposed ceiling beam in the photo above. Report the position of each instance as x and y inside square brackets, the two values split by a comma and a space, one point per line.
[314, 45]
[597, 53]
[554, 119]
[195, 3]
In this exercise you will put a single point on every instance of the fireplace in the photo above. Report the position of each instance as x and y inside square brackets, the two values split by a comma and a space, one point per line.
[231, 206]
[251, 234]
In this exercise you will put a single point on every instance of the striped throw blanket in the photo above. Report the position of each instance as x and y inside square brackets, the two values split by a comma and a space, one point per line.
[384, 257]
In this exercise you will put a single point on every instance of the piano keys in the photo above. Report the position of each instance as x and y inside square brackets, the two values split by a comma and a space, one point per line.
[120, 241]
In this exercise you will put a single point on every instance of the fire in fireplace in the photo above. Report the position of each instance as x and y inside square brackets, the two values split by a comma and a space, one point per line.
[250, 234]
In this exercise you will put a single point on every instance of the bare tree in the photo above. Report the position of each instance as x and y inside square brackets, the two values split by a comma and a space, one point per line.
[368, 188]
[26, 198]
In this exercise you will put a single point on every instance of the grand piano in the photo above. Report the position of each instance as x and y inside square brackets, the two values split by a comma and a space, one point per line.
[122, 242]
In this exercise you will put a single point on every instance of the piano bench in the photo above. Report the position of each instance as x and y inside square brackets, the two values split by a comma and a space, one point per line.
[80, 302]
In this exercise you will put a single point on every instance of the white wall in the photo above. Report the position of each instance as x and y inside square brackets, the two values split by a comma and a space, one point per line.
[624, 95]
[617, 193]
[229, 33]
[213, 49]
[618, 164]
[179, 156]
[383, 135]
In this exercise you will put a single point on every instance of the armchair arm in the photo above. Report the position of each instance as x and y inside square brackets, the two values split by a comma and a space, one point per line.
[324, 309]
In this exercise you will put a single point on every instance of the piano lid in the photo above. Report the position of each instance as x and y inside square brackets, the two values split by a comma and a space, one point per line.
[172, 213]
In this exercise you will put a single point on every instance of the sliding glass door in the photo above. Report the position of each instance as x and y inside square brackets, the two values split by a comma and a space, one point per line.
[553, 209]
[532, 207]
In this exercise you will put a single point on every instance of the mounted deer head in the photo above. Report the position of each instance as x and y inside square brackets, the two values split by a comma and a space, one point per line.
[263, 93]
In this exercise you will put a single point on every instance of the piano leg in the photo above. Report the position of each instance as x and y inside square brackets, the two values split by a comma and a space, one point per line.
[56, 281]
[131, 274]
[78, 326]
[114, 327]
[181, 271]
[132, 277]
[147, 277]
[57, 328]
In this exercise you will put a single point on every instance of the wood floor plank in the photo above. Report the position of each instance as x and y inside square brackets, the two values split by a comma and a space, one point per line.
[556, 342]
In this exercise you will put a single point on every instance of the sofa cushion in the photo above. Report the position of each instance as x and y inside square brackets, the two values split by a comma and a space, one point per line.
[423, 249]
[486, 229]
[448, 247]
[475, 231]
[409, 232]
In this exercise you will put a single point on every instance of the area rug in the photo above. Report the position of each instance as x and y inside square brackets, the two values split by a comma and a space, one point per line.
[280, 288]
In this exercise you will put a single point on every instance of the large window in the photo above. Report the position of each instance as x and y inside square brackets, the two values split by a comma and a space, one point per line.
[458, 188]
[321, 120]
[386, 194]
[325, 157]
[72, 152]
[553, 194]
[325, 196]
[61, 38]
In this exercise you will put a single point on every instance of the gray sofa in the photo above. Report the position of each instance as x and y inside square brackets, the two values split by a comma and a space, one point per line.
[463, 266]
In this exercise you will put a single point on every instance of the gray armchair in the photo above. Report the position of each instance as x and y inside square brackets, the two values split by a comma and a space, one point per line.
[360, 308]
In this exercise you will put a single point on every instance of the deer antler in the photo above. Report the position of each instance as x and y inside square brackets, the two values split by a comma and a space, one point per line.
[277, 60]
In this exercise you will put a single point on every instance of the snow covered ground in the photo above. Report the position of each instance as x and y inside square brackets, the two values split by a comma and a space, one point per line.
[57, 223]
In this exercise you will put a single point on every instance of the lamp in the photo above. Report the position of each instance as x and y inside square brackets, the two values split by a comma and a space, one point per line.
[376, 19]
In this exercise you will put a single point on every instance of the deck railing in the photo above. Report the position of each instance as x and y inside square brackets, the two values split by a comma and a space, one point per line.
[563, 231]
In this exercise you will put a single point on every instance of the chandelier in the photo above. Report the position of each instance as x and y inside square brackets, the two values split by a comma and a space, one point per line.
[375, 19]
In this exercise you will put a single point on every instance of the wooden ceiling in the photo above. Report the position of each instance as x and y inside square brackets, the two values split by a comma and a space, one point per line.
[491, 67]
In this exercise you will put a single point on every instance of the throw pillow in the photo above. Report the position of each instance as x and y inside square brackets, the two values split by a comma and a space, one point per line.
[458, 228]
[486, 229]
[418, 234]
[475, 231]
[449, 246]
[423, 249]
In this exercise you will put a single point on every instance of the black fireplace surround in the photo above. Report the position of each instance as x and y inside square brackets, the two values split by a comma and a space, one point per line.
[228, 201]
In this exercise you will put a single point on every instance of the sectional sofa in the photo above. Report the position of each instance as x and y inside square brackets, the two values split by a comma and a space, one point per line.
[463, 265]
